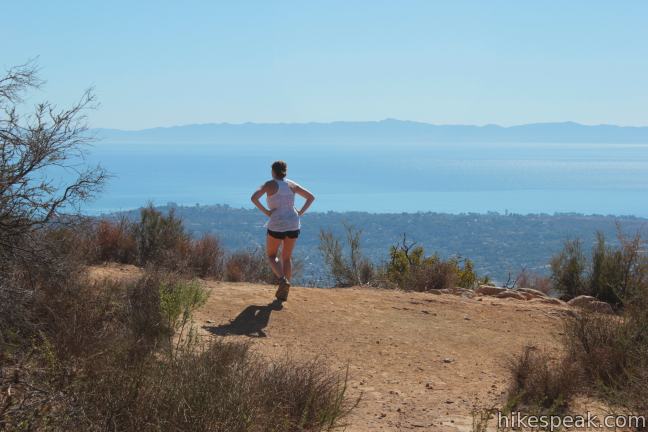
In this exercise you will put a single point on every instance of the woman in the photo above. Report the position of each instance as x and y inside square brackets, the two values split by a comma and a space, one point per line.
[284, 225]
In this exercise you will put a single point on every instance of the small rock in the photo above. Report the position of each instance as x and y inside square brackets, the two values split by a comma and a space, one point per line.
[511, 294]
[550, 300]
[448, 360]
[489, 290]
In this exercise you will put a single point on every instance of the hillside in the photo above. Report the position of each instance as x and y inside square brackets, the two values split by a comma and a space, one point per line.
[418, 360]
[497, 243]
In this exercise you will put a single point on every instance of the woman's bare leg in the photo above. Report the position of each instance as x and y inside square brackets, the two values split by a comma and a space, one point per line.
[286, 256]
[272, 251]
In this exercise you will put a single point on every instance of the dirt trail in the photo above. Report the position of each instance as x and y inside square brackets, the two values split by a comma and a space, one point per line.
[419, 360]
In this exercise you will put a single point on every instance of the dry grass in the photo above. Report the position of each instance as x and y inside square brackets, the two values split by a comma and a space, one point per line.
[108, 356]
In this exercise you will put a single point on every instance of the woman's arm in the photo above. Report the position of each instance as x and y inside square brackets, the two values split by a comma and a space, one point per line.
[305, 193]
[257, 195]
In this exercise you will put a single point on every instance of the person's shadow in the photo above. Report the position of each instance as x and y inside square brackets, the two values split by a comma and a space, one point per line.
[250, 322]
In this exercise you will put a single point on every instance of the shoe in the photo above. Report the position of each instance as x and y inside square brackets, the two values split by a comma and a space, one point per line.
[282, 291]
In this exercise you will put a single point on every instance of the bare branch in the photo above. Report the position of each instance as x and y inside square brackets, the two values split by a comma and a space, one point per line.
[42, 158]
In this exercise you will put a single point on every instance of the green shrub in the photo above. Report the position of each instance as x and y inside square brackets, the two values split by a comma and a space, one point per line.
[352, 270]
[410, 269]
[568, 270]
[178, 301]
[161, 240]
[613, 274]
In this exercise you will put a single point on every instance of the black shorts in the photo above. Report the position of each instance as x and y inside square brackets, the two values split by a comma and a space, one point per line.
[283, 234]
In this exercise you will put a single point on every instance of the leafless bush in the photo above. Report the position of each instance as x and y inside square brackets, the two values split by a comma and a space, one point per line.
[42, 176]
[38, 151]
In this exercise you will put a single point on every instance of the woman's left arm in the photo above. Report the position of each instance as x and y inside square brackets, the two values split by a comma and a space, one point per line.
[306, 194]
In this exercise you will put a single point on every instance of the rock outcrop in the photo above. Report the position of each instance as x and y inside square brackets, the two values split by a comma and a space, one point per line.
[591, 304]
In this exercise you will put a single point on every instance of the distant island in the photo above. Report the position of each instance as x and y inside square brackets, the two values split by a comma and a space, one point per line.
[388, 130]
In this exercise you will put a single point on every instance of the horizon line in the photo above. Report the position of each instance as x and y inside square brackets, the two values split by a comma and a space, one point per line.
[389, 119]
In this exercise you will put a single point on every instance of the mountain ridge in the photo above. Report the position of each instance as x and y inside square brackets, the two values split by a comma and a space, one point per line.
[384, 130]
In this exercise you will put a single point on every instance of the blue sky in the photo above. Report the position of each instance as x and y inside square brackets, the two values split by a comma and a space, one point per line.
[470, 62]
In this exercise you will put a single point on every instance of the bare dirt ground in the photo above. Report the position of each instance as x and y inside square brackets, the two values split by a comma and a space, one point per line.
[417, 360]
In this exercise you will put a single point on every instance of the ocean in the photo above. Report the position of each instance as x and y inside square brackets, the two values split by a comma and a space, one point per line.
[609, 179]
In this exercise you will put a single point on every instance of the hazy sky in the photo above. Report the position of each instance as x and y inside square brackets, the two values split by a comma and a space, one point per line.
[506, 62]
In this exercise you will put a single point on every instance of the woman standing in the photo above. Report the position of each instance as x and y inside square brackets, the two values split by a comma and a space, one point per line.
[284, 224]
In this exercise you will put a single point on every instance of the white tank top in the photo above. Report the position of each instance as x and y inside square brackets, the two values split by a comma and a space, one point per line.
[282, 203]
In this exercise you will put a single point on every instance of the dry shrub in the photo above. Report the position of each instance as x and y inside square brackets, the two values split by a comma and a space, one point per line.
[115, 241]
[600, 344]
[354, 269]
[79, 317]
[248, 266]
[307, 391]
[102, 358]
[541, 385]
[206, 257]
[223, 387]
[156, 240]
[433, 275]
[613, 353]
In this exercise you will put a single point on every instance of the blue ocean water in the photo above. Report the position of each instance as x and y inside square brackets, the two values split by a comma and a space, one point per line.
[453, 178]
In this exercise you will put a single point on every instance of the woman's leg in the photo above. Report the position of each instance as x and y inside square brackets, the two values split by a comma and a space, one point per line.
[286, 256]
[272, 250]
